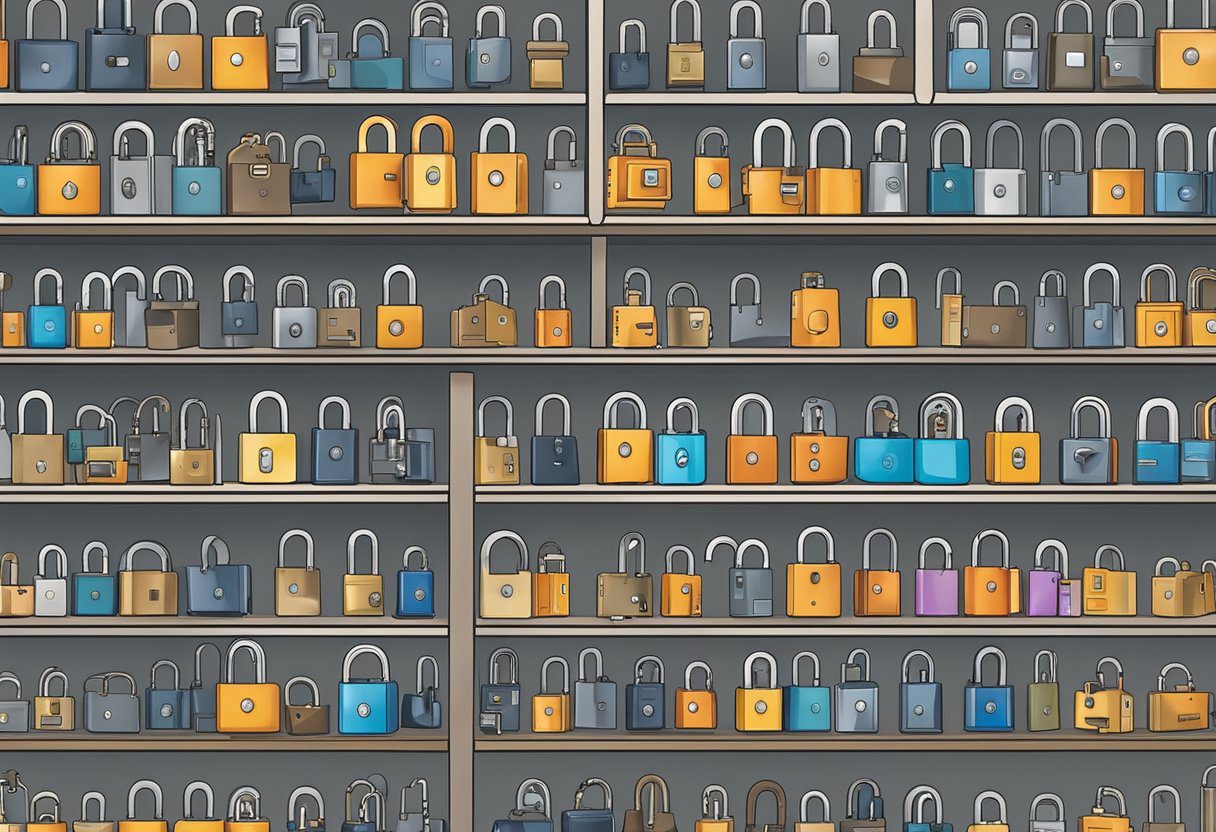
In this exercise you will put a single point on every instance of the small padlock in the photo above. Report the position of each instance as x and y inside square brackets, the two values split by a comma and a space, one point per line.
[546, 58]
[505, 594]
[293, 327]
[1127, 62]
[1177, 192]
[951, 184]
[882, 69]
[832, 191]
[550, 583]
[759, 708]
[554, 459]
[594, 694]
[876, 592]
[746, 57]
[499, 180]
[818, 52]
[1020, 60]
[1012, 457]
[496, 458]
[685, 59]
[856, 697]
[751, 459]
[711, 175]
[888, 455]
[362, 593]
[890, 321]
[697, 708]
[817, 454]
[951, 306]
[67, 185]
[680, 592]
[552, 712]
[1001, 191]
[1062, 193]
[989, 707]
[309, 719]
[942, 453]
[1043, 695]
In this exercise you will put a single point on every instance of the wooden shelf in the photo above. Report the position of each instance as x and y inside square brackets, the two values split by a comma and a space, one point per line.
[363, 225]
[664, 98]
[230, 493]
[1097, 98]
[186, 741]
[252, 625]
[304, 97]
[911, 226]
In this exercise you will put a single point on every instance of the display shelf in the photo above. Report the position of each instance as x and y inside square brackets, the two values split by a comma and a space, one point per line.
[187, 741]
[1098, 98]
[230, 493]
[252, 625]
[338, 225]
[311, 98]
[918, 226]
[663, 98]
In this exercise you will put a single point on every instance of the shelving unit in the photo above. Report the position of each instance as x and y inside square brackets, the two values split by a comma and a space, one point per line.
[408, 741]
[583, 741]
[252, 625]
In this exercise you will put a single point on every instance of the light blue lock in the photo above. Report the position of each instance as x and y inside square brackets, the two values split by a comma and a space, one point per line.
[1158, 462]
[988, 707]
[806, 707]
[969, 61]
[18, 197]
[1099, 324]
[489, 58]
[914, 811]
[943, 452]
[680, 456]
[372, 66]
[1199, 454]
[920, 702]
[1177, 192]
[430, 55]
[95, 593]
[887, 456]
[368, 705]
[951, 184]
[746, 64]
[47, 323]
[196, 184]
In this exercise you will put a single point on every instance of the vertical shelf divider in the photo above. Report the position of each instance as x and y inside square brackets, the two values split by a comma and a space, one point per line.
[599, 295]
[462, 704]
[923, 52]
[595, 111]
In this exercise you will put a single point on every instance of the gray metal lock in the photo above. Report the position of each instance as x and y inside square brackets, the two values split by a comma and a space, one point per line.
[400, 454]
[148, 453]
[1050, 321]
[129, 308]
[293, 327]
[139, 185]
[1001, 192]
[565, 180]
[1127, 63]
[920, 701]
[303, 49]
[856, 705]
[1037, 824]
[111, 712]
[488, 60]
[430, 55]
[1020, 61]
[748, 326]
[1088, 460]
[51, 594]
[818, 53]
[1099, 324]
[420, 821]
[888, 192]
[595, 695]
[14, 713]
[751, 588]
[1062, 193]
[746, 64]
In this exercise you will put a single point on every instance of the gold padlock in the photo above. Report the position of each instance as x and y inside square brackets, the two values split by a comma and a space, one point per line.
[267, 458]
[637, 177]
[552, 327]
[38, 459]
[496, 458]
[399, 326]
[505, 594]
[94, 329]
[625, 456]
[711, 175]
[890, 321]
[832, 191]
[1108, 591]
[105, 464]
[362, 594]
[1011, 457]
[240, 62]
[1116, 192]
[546, 57]
[499, 180]
[635, 325]
[951, 306]
[1159, 323]
[376, 178]
[978, 824]
[550, 583]
[247, 707]
[688, 326]
[758, 708]
[430, 178]
[297, 589]
[54, 713]
[192, 466]
[1102, 707]
[1101, 820]
[45, 821]
[774, 190]
[1180, 594]
[1181, 708]
[16, 600]
[685, 59]
[175, 62]
[1186, 58]
[1199, 323]
[245, 810]
[143, 592]
[553, 711]
[341, 323]
[70, 186]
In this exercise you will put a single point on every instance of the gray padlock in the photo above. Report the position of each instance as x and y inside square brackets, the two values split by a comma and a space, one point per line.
[293, 327]
[1127, 63]
[488, 61]
[1062, 193]
[14, 713]
[1020, 61]
[147, 452]
[430, 55]
[746, 63]
[888, 193]
[420, 821]
[595, 695]
[111, 712]
[302, 48]
[1088, 460]
[1100, 324]
[1050, 320]
[51, 593]
[856, 705]
[1038, 824]
[564, 180]
[748, 326]
[920, 701]
[139, 185]
[129, 308]
[818, 53]
[1001, 192]
[751, 588]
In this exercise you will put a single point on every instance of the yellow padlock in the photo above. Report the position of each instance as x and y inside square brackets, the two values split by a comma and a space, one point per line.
[1108, 591]
[297, 589]
[771, 191]
[376, 178]
[680, 592]
[245, 810]
[890, 321]
[399, 326]
[1199, 324]
[499, 180]
[552, 328]
[247, 708]
[991, 590]
[1186, 58]
[685, 59]
[546, 58]
[70, 186]
[496, 458]
[814, 313]
[175, 62]
[107, 464]
[812, 590]
[1101, 820]
[362, 592]
[94, 329]
[430, 178]
[54, 713]
[757, 708]
[832, 191]
[1103, 707]
[1116, 192]
[44, 821]
[187, 465]
[553, 712]
[1181, 594]
[1159, 323]
[1011, 457]
[635, 325]
[751, 459]
[505, 594]
[697, 708]
[715, 811]
[133, 822]
[267, 458]
[625, 455]
[711, 175]
[205, 822]
[978, 824]
[637, 176]
[240, 62]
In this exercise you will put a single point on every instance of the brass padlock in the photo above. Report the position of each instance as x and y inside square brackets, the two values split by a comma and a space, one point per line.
[1181, 708]
[496, 458]
[772, 190]
[309, 719]
[257, 185]
[685, 59]
[38, 459]
[430, 178]
[341, 323]
[144, 592]
[624, 594]
[688, 326]
[635, 324]
[192, 466]
[54, 713]
[951, 306]
[486, 322]
[16, 600]
[297, 589]
[546, 57]
[505, 594]
[175, 62]
[637, 177]
[362, 595]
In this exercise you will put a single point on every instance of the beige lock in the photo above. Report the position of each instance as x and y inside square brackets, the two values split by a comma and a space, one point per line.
[143, 592]
[297, 589]
[38, 459]
[624, 594]
[687, 326]
[505, 594]
[496, 458]
[362, 594]
[54, 713]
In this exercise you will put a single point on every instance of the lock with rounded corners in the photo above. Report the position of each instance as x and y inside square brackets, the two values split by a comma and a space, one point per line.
[1070, 55]
[94, 328]
[942, 452]
[248, 707]
[1177, 192]
[751, 459]
[1063, 192]
[267, 457]
[54, 712]
[806, 704]
[293, 327]
[377, 178]
[759, 707]
[1099, 324]
[1012, 457]
[817, 453]
[951, 184]
[239, 309]
[496, 458]
[416, 587]
[488, 59]
[998, 325]
[812, 590]
[1108, 591]
[1020, 60]
[430, 178]
[240, 62]
[1158, 461]
[1043, 694]
[696, 708]
[38, 458]
[43, 64]
[991, 590]
[1159, 322]
[711, 174]
[1051, 322]
[550, 583]
[175, 61]
[399, 325]
[421, 708]
[774, 189]
[1186, 57]
[746, 56]
[167, 708]
[920, 699]
[485, 322]
[70, 185]
[362, 592]
[624, 594]
[690, 326]
[368, 705]
[818, 52]
[680, 591]
[499, 179]
[312, 186]
[936, 589]
[890, 320]
[554, 459]
[855, 698]
[638, 178]
[172, 324]
[309, 719]
[629, 69]
[1043, 582]
[218, 587]
[594, 694]
[297, 589]
[505, 594]
[1103, 705]
[197, 180]
[1000, 191]
[564, 181]
[1127, 62]
[680, 455]
[1116, 192]
[552, 327]
[989, 708]
[1180, 593]
[832, 191]
[552, 709]
[335, 450]
[370, 65]
[499, 705]
[685, 58]
[340, 321]
[883, 453]
[625, 456]
[94, 592]
[140, 184]
[876, 592]
[1199, 324]
[814, 313]
[888, 178]
[968, 59]
[144, 592]
[431, 55]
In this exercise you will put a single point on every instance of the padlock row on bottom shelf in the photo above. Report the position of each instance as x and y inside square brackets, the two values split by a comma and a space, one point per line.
[216, 587]
[244, 809]
[762, 704]
[865, 810]
[367, 706]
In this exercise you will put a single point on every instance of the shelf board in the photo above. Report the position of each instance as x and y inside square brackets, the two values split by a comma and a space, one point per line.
[308, 97]
[1097, 98]
[363, 225]
[252, 625]
[683, 225]
[229, 493]
[187, 741]
[767, 99]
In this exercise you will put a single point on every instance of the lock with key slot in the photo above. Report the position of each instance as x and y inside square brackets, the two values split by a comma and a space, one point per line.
[920, 701]
[293, 327]
[818, 52]
[1158, 461]
[341, 322]
[1011, 457]
[309, 719]
[942, 453]
[297, 589]
[499, 709]
[496, 458]
[485, 322]
[697, 708]
[552, 712]
[968, 59]
[54, 713]
[143, 592]
[680, 455]
[1127, 62]
[624, 594]
[688, 327]
[552, 327]
[884, 456]
[550, 583]
[1062, 192]
[1116, 192]
[774, 189]
[806, 707]
[890, 321]
[876, 592]
[505, 594]
[817, 454]
[991, 590]
[267, 458]
[624, 455]
[1105, 708]
[1070, 55]
[856, 696]
[680, 592]
[362, 593]
[812, 590]
[757, 707]
[1020, 60]
[554, 459]
[936, 589]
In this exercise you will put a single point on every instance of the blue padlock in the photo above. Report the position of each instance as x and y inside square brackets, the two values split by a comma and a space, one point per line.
[680, 455]
[239, 315]
[914, 811]
[335, 451]
[806, 707]
[115, 55]
[46, 64]
[416, 588]
[196, 185]
[1158, 462]
[886, 457]
[423, 709]
[968, 59]
[47, 323]
[1209, 177]
[431, 57]
[488, 60]
[202, 697]
[372, 66]
[951, 184]
[1178, 192]
[167, 709]
[18, 196]
[95, 593]
[1199, 454]
[310, 187]
[988, 707]
[920, 702]
[864, 802]
[629, 70]
[645, 702]
[943, 452]
[554, 456]
[1099, 324]
[79, 439]
[367, 705]
[220, 588]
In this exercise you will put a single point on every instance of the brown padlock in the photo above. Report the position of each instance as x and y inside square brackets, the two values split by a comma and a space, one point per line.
[172, 324]
[996, 325]
[1070, 55]
[257, 185]
[882, 68]
[341, 323]
[485, 322]
[309, 719]
[38, 458]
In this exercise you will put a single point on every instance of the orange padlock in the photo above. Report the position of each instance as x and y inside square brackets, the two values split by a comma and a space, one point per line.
[774, 190]
[818, 455]
[832, 191]
[1116, 192]
[248, 708]
[697, 708]
[70, 187]
[680, 592]
[240, 62]
[430, 178]
[1159, 322]
[94, 328]
[711, 175]
[375, 178]
[812, 590]
[814, 313]
[991, 590]
[499, 180]
[1199, 323]
[876, 591]
[553, 327]
[399, 325]
[751, 459]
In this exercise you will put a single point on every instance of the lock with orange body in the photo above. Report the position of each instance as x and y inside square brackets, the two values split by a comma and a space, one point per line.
[777, 190]
[376, 178]
[550, 583]
[814, 313]
[697, 708]
[499, 180]
[247, 708]
[70, 186]
[812, 590]
[890, 321]
[817, 454]
[553, 327]
[1116, 192]
[751, 459]
[430, 178]
[832, 191]
[1159, 322]
[399, 325]
[711, 175]
[240, 62]
[1199, 322]
[991, 590]
[680, 592]
[876, 591]
[637, 176]
[625, 455]
[94, 328]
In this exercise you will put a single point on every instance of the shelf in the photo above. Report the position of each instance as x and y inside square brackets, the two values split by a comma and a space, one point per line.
[764, 99]
[683, 225]
[313, 97]
[339, 225]
[253, 625]
[230, 493]
[186, 741]
[1098, 98]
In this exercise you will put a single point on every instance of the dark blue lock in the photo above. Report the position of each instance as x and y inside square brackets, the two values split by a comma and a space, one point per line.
[47, 323]
[920, 702]
[372, 66]
[239, 315]
[18, 196]
[554, 457]
[865, 803]
[309, 187]
[806, 707]
[1158, 462]
[202, 696]
[1199, 454]
[587, 819]
[951, 184]
[499, 712]
[46, 64]
[988, 708]
[364, 819]
[222, 588]
[95, 593]
[335, 451]
[115, 55]
[1178, 192]
[167, 708]
[533, 810]
[196, 179]
[914, 811]
[422, 709]
[416, 588]
[80, 439]
[630, 70]
[645, 702]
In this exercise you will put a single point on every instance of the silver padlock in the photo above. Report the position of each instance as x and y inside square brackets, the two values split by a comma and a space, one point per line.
[1001, 192]
[565, 181]
[1020, 62]
[129, 308]
[1127, 63]
[889, 179]
[746, 58]
[751, 588]
[51, 594]
[139, 185]
[818, 53]
[1051, 317]
[1038, 824]
[293, 327]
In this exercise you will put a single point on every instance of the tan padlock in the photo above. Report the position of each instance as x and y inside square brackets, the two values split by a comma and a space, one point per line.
[546, 58]
[143, 592]
[996, 325]
[172, 324]
[341, 323]
[54, 713]
[175, 62]
[38, 459]
[687, 326]
[485, 322]
[257, 185]
[362, 594]
[1070, 55]
[297, 589]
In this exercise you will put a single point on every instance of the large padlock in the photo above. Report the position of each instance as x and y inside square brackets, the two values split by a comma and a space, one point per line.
[637, 176]
[812, 590]
[38, 459]
[167, 708]
[774, 190]
[817, 454]
[267, 458]
[499, 180]
[240, 62]
[1177, 192]
[197, 180]
[340, 323]
[145, 592]
[193, 466]
[45, 64]
[680, 455]
[1180, 594]
[856, 696]
[814, 312]
[748, 326]
[818, 52]
[111, 712]
[711, 175]
[70, 186]
[1050, 322]
[564, 181]
[499, 706]
[996, 325]
[94, 328]
[550, 583]
[888, 455]
[18, 194]
[687, 326]
[1044, 584]
[1181, 708]
[431, 58]
[1103, 707]
[991, 590]
[554, 459]
[890, 321]
[51, 712]
[139, 185]
[1159, 323]
[920, 700]
[624, 594]
[362, 593]
[888, 178]
[93, 592]
[219, 588]
[1020, 60]
[876, 592]
[488, 59]
[751, 588]
[594, 694]
[496, 458]
[628, 70]
[398, 453]
[1012, 457]
[942, 453]
[552, 710]
[376, 178]
[239, 315]
[14, 713]
[309, 719]
[172, 324]
[1109, 591]
[951, 184]
[645, 700]
[371, 65]
[1001, 191]
[485, 322]
[415, 587]
[1070, 55]
[248, 708]
[1099, 324]
[303, 49]
[257, 184]
[51, 593]
[399, 326]
[968, 58]
[430, 178]
[1116, 192]
[1062, 193]
[1127, 62]
[759, 707]
[505, 594]
[1199, 324]
[1043, 695]
[175, 62]
[115, 57]
[546, 58]
[1157, 461]
[989, 707]
[1186, 58]
[293, 327]
[746, 57]
[310, 187]
[751, 459]
[697, 708]
[685, 59]
[864, 808]
[882, 69]
[754, 794]
[367, 705]
[47, 323]
[297, 589]
[832, 191]
[625, 456]
[936, 589]
[806, 707]
[552, 327]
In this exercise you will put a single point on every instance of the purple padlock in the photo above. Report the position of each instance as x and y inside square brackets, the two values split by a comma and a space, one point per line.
[1043, 591]
[937, 589]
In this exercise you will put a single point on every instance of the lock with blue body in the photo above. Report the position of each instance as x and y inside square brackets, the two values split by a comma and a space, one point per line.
[554, 457]
[47, 323]
[1157, 461]
[920, 702]
[645, 701]
[115, 55]
[914, 811]
[1178, 192]
[988, 707]
[167, 709]
[968, 59]
[886, 456]
[18, 196]
[1199, 453]
[335, 451]
[806, 707]
[95, 593]
[372, 66]
[415, 587]
[488, 60]
[499, 711]
[196, 179]
[422, 709]
[239, 315]
[1209, 177]
[46, 64]
[629, 70]
[311, 187]
[431, 56]
[79, 439]
[367, 706]
[856, 695]
[680, 455]
[220, 588]
[943, 452]
[951, 184]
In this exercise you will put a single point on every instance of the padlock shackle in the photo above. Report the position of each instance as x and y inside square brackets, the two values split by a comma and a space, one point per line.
[826, 412]
[1078, 161]
[237, 11]
[1175, 129]
[1169, 13]
[390, 133]
[93, 797]
[306, 139]
[54, 275]
[632, 22]
[947, 552]
[420, 674]
[563, 402]
[424, 558]
[343, 406]
[1171, 282]
[983, 797]
[257, 400]
[544, 674]
[978, 542]
[738, 411]
[1110, 791]
[758, 142]
[545, 283]
[61, 561]
[720, 540]
[250, 798]
[504, 534]
[669, 559]
[306, 681]
[88, 142]
[1171, 413]
[38, 798]
[299, 812]
[309, 562]
[894, 547]
[48, 405]
[500, 15]
[593, 782]
[734, 288]
[96, 546]
[1060, 280]
[342, 295]
[366, 649]
[1115, 551]
[630, 541]
[141, 290]
[128, 557]
[198, 663]
[751, 543]
[1061, 556]
[853, 661]
[86, 299]
[158, 797]
[990, 142]
[973, 14]
[1157, 571]
[943, 402]
[551, 18]
[301, 11]
[828, 542]
[1114, 275]
[9, 676]
[941, 276]
[483, 138]
[1110, 16]
[138, 126]
[256, 653]
[222, 556]
[381, 29]
[696, 21]
[977, 670]
[753, 799]
[595, 653]
[939, 133]
[352, 545]
[757, 18]
[417, 20]
[610, 409]
[204, 143]
[880, 271]
[183, 278]
[513, 663]
[508, 410]
[44, 686]
[677, 287]
[1165, 671]
[1063, 8]
[177, 674]
[914, 803]
[625, 287]
[883, 126]
[715, 796]
[846, 138]
[1194, 285]
[1165, 789]
[1034, 29]
[699, 145]
[797, 661]
[1111, 660]
[1101, 135]
[1003, 408]
[159, 16]
[1052, 666]
[907, 665]
[749, 670]
[853, 797]
[445, 130]
[280, 290]
[806, 16]
[693, 412]
[872, 28]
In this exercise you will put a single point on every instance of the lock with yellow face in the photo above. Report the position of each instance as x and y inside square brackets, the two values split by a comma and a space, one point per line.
[1159, 323]
[1108, 591]
[680, 592]
[399, 326]
[499, 180]
[16, 600]
[685, 59]
[362, 593]
[1011, 457]
[758, 708]
[550, 583]
[496, 458]
[890, 321]
[70, 186]
[267, 458]
[812, 590]
[94, 329]
[430, 178]
[1180, 594]
[546, 58]
[552, 711]
[635, 325]
[105, 464]
[697, 708]
[998, 824]
[637, 176]
[376, 178]
[1186, 58]
[771, 191]
[1180, 708]
[1100, 820]
[711, 175]
[832, 191]
[245, 810]
[505, 594]
[187, 465]
[814, 313]
[553, 328]
[991, 590]
[751, 459]
[876, 591]
[133, 822]
[1116, 192]
[240, 62]
[44, 821]
[54, 713]
[625, 455]
[1103, 707]
[817, 454]
[1199, 323]
[247, 707]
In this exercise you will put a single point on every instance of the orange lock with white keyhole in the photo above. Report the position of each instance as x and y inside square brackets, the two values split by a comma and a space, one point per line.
[94, 328]
[70, 186]
[812, 590]
[697, 708]
[991, 590]
[240, 62]
[499, 180]
[832, 191]
[430, 178]
[680, 592]
[817, 454]
[876, 591]
[751, 459]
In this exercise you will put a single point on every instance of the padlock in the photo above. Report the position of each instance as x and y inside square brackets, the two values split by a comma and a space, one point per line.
[45, 64]
[144, 592]
[876, 592]
[1181, 708]
[585, 818]
[416, 587]
[47, 322]
[363, 818]
[1107, 709]
[645, 701]
[937, 589]
[93, 328]
[430, 178]
[920, 702]
[42, 821]
[1127, 62]
[886, 456]
[1181, 54]
[638, 178]
[951, 306]
[594, 695]
[979, 824]
[629, 70]
[293, 327]
[208, 822]
[817, 454]
[18, 195]
[882, 69]
[1050, 323]
[1001, 191]
[38, 459]
[14, 713]
[951, 184]
[1116, 192]
[552, 712]
[856, 697]
[751, 588]
[759, 708]
[399, 326]
[890, 321]
[1109, 591]
[715, 811]
[688, 327]
[371, 65]
[1037, 824]
[1180, 594]
[239, 314]
[202, 697]
[658, 816]
[991, 590]
[624, 594]
[248, 708]
[111, 712]
[421, 821]
[915, 819]
[488, 59]
[686, 59]
[257, 184]
[1043, 696]
[552, 327]
[1020, 60]
[102, 461]
[1159, 323]
[496, 458]
[367, 705]
[680, 592]
[1199, 454]
[806, 707]
[376, 178]
[1152, 824]
[505, 594]
[303, 49]
[1043, 583]
[1199, 324]
[167, 708]
[546, 57]
[697, 708]
[309, 719]
[751, 459]
[1099, 324]
[888, 178]
[499, 180]
[711, 174]
[197, 188]
[1103, 821]
[311, 187]
[1177, 192]
[1070, 55]
[485, 322]
[340, 323]
[362, 593]
[94, 592]
[770, 190]
[748, 326]
[240, 62]
[680, 455]
[533, 809]
[245, 811]
[114, 54]
[99, 825]
[968, 59]
[139, 184]
[832, 191]
[70, 186]
[54, 713]
[625, 456]
[397, 453]
[812, 590]
[192, 466]
[1062, 193]
[1012, 457]
[175, 62]
[1157, 461]
[550, 583]
[746, 57]
[988, 707]
[172, 324]
[148, 453]
[814, 313]
[864, 808]
[554, 458]
[220, 588]
[499, 709]
[942, 453]
[753, 798]
[430, 55]
[818, 52]
[6, 448]
[564, 182]
[51, 593]
[267, 458]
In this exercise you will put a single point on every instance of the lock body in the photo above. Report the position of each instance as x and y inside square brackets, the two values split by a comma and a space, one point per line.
[758, 709]
[1159, 323]
[1198, 460]
[1158, 462]
[94, 595]
[680, 596]
[992, 591]
[888, 193]
[267, 458]
[969, 69]
[494, 463]
[553, 328]
[937, 592]
[550, 594]
[500, 183]
[335, 456]
[175, 62]
[856, 707]
[833, 191]
[1070, 57]
[488, 61]
[112, 713]
[942, 461]
[69, 190]
[1178, 192]
[812, 590]
[1043, 706]
[626, 456]
[806, 708]
[889, 460]
[1063, 193]
[18, 196]
[431, 62]
[499, 712]
[774, 191]
[876, 592]
[399, 326]
[1012, 458]
[988, 708]
[1089, 461]
[1126, 63]
[696, 709]
[368, 707]
[890, 322]
[629, 71]
[147, 592]
[818, 458]
[595, 705]
[222, 589]
[685, 65]
[1108, 592]
[680, 458]
[1186, 60]
[197, 191]
[920, 708]
[167, 710]
[554, 460]
[54, 713]
[645, 706]
[362, 595]
[240, 63]
[416, 594]
[297, 591]
[952, 190]
[551, 713]
[751, 592]
[1043, 593]
[711, 192]
[815, 317]
[751, 460]
[746, 63]
[1116, 192]
[1179, 710]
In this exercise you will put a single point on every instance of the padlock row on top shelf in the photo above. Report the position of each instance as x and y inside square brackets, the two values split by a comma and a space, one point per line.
[883, 454]
[216, 587]
[639, 179]
[849, 707]
[254, 183]
[369, 705]
[815, 590]
[304, 54]
[396, 453]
